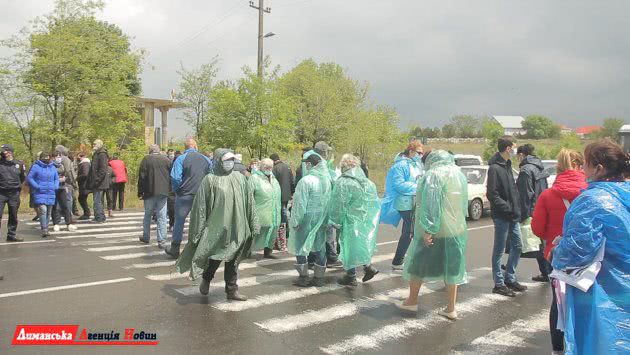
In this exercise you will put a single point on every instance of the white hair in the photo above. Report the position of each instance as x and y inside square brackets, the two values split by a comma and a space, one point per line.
[266, 163]
[349, 161]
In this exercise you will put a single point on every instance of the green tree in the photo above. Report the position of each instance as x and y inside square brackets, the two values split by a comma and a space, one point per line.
[540, 127]
[466, 126]
[449, 130]
[610, 129]
[491, 131]
[569, 141]
[195, 91]
[415, 131]
[83, 74]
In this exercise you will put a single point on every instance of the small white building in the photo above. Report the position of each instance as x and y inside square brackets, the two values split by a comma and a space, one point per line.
[624, 137]
[512, 125]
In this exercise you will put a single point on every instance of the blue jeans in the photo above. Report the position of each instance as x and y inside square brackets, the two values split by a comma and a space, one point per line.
[320, 258]
[99, 213]
[183, 204]
[504, 229]
[157, 204]
[405, 237]
[44, 212]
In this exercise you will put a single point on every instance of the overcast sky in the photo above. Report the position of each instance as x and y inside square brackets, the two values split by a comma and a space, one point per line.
[430, 60]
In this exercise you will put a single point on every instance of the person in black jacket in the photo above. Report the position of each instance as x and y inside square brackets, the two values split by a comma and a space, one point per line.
[154, 185]
[284, 175]
[83, 170]
[11, 179]
[506, 214]
[531, 182]
[97, 179]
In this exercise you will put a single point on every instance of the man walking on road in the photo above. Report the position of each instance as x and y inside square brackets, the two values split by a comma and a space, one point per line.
[11, 179]
[186, 175]
[153, 187]
[285, 178]
[82, 177]
[98, 180]
[506, 213]
[223, 223]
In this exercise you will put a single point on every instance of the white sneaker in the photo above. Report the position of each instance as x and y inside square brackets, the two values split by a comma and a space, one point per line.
[56, 228]
[402, 307]
[397, 267]
[449, 315]
[72, 228]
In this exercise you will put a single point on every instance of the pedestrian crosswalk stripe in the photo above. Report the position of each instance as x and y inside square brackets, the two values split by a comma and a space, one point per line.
[102, 229]
[285, 296]
[29, 242]
[408, 327]
[65, 287]
[105, 242]
[108, 235]
[513, 335]
[175, 275]
[320, 316]
[150, 265]
[119, 247]
[88, 224]
[132, 255]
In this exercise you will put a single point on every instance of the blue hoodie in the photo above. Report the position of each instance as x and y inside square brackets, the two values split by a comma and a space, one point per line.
[596, 321]
[43, 180]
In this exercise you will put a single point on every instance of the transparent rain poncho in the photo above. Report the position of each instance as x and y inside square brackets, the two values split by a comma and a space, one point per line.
[310, 210]
[441, 210]
[268, 205]
[355, 208]
[222, 221]
[598, 321]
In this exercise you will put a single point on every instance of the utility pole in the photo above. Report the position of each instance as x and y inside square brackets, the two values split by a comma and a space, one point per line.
[261, 11]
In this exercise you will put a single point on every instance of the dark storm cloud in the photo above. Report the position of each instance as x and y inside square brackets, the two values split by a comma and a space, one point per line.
[428, 59]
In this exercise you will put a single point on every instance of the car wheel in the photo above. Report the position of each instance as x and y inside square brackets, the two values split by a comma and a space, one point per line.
[475, 209]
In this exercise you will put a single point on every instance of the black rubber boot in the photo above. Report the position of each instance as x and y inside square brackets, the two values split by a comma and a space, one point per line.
[347, 280]
[369, 272]
[302, 280]
[235, 296]
[268, 254]
[173, 250]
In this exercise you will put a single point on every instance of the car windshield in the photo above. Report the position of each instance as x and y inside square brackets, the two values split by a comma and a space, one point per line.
[467, 161]
[550, 166]
[475, 175]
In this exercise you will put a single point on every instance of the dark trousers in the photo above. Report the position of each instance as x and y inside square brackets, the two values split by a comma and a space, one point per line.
[118, 193]
[75, 206]
[284, 217]
[108, 197]
[83, 195]
[61, 208]
[12, 199]
[405, 237]
[230, 274]
[170, 209]
[543, 265]
[557, 336]
[332, 250]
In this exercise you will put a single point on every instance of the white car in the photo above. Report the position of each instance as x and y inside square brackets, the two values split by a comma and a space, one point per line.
[477, 176]
[551, 167]
[467, 160]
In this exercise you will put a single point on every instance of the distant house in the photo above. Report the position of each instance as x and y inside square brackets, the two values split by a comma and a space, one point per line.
[624, 137]
[512, 125]
[565, 130]
[586, 130]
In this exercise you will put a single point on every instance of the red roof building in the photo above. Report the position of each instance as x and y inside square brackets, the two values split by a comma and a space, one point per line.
[586, 130]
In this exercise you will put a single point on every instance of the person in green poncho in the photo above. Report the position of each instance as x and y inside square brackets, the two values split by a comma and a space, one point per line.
[308, 221]
[267, 193]
[223, 222]
[354, 211]
[441, 211]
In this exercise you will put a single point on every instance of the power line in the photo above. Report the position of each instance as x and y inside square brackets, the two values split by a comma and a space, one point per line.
[209, 25]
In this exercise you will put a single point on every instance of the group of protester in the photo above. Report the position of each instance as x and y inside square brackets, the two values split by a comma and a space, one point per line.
[578, 229]
[52, 181]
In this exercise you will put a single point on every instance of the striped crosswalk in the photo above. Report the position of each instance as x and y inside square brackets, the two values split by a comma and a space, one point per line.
[275, 306]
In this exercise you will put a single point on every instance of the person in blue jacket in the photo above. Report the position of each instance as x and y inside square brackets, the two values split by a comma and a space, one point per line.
[44, 181]
[400, 192]
[186, 174]
[597, 229]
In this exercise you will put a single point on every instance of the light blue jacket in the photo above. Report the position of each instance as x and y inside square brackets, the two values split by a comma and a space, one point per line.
[177, 171]
[400, 189]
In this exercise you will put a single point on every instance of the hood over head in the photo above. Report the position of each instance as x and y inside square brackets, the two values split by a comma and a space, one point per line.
[218, 157]
[60, 149]
[533, 160]
[439, 158]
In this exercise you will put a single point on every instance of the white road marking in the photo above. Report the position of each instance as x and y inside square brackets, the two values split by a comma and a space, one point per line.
[132, 255]
[120, 247]
[513, 335]
[150, 265]
[104, 242]
[102, 229]
[324, 315]
[88, 224]
[65, 287]
[108, 235]
[408, 327]
[29, 242]
[482, 227]
[244, 266]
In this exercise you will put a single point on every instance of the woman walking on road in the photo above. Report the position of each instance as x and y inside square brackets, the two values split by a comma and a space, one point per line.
[44, 181]
[441, 212]
[268, 206]
[596, 231]
[547, 220]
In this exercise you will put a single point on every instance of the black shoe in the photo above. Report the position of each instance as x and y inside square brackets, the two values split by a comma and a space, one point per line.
[515, 286]
[504, 291]
[85, 217]
[268, 254]
[347, 280]
[143, 240]
[235, 296]
[335, 263]
[503, 267]
[311, 266]
[35, 219]
[14, 239]
[540, 278]
[204, 287]
[172, 250]
[368, 273]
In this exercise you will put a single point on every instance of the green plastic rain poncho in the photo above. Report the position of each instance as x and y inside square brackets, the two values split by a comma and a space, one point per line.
[310, 210]
[266, 192]
[441, 210]
[355, 208]
[222, 221]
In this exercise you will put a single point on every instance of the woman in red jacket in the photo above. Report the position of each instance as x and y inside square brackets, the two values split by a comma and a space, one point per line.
[549, 214]
[118, 186]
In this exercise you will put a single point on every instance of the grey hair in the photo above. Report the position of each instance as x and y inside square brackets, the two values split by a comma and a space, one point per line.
[266, 163]
[154, 149]
[190, 143]
[349, 161]
[98, 143]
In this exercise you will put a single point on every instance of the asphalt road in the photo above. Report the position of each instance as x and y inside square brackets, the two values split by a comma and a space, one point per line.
[101, 278]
